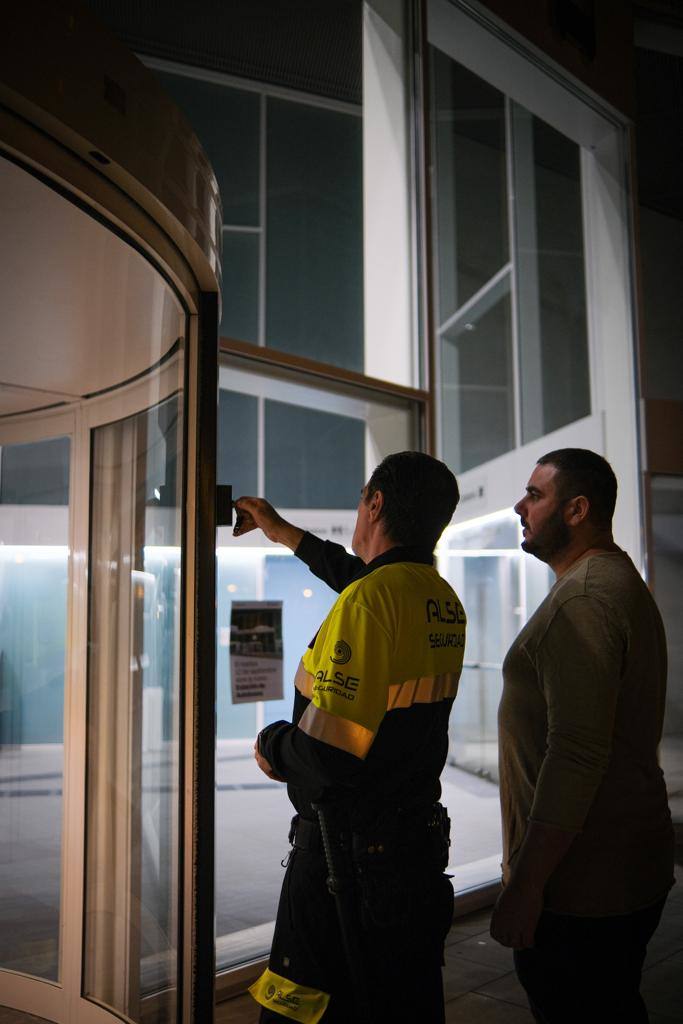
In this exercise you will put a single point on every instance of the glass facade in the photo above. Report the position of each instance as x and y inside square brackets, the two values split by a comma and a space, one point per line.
[322, 223]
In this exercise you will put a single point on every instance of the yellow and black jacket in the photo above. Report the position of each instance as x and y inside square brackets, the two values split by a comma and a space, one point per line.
[375, 688]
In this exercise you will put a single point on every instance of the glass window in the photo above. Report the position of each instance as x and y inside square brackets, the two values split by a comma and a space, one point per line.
[509, 242]
[240, 267]
[500, 587]
[476, 381]
[313, 451]
[133, 757]
[34, 587]
[35, 474]
[468, 118]
[313, 459]
[667, 544]
[314, 278]
[237, 442]
[551, 293]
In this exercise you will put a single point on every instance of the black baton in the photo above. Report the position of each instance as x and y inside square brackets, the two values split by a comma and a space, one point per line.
[340, 884]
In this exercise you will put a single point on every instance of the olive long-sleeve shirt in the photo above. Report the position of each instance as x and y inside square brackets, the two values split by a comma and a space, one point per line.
[580, 721]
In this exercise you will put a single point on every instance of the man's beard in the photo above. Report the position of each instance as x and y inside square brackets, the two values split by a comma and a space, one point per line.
[552, 537]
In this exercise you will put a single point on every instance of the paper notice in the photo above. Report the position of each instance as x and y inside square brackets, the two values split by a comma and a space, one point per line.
[256, 651]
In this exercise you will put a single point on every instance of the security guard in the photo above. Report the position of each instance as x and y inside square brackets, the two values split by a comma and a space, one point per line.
[365, 906]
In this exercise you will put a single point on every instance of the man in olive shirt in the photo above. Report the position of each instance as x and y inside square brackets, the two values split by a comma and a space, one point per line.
[587, 834]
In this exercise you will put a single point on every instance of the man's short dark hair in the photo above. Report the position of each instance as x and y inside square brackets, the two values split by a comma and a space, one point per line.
[580, 471]
[420, 496]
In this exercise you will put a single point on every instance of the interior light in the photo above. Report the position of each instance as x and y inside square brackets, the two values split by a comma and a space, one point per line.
[232, 587]
[20, 553]
[489, 517]
[308, 592]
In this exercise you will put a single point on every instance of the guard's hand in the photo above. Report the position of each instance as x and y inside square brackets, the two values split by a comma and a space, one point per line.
[515, 916]
[256, 512]
[264, 765]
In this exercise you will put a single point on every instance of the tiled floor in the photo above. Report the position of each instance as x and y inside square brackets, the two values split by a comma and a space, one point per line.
[481, 987]
[480, 984]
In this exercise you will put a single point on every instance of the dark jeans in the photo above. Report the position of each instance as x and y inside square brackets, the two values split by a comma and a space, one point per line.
[587, 969]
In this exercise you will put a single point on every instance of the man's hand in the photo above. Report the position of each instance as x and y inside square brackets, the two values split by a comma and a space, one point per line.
[515, 916]
[519, 906]
[264, 765]
[253, 513]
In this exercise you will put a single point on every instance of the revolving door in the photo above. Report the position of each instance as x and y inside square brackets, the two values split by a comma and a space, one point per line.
[108, 395]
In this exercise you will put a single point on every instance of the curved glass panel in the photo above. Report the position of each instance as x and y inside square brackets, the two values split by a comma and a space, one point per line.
[134, 679]
[34, 581]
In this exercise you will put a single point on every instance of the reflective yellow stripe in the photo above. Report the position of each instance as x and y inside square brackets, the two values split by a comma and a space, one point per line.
[303, 681]
[297, 1002]
[425, 690]
[338, 732]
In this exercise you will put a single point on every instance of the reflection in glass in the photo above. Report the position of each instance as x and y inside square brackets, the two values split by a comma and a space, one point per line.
[477, 389]
[468, 118]
[551, 291]
[34, 581]
[131, 920]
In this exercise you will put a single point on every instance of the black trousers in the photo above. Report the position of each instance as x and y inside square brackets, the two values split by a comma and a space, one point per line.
[588, 969]
[401, 952]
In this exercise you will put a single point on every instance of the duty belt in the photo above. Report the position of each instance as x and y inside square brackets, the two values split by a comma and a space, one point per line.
[432, 829]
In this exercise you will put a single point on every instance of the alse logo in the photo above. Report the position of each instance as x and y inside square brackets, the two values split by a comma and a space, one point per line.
[342, 653]
[447, 612]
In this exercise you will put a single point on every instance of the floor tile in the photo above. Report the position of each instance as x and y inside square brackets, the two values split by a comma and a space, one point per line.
[662, 988]
[461, 976]
[472, 924]
[482, 949]
[666, 941]
[477, 1009]
[507, 988]
[243, 1010]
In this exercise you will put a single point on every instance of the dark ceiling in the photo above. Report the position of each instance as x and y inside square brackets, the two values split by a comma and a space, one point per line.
[310, 45]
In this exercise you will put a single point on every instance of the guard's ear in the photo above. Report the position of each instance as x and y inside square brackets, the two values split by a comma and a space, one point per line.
[577, 510]
[376, 505]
